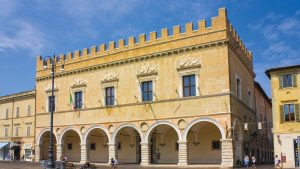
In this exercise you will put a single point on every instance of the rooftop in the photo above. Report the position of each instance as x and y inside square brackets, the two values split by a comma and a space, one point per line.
[268, 71]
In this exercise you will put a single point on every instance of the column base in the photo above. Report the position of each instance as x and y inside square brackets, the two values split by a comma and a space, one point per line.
[182, 164]
[144, 164]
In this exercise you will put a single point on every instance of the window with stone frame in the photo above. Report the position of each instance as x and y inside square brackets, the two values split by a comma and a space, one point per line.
[147, 91]
[78, 96]
[51, 103]
[109, 96]
[189, 85]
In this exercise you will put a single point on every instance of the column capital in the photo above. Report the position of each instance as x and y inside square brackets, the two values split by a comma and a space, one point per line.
[226, 140]
[111, 144]
[59, 144]
[144, 143]
[82, 144]
[182, 142]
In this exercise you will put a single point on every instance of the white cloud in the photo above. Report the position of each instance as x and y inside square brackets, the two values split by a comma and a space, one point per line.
[25, 36]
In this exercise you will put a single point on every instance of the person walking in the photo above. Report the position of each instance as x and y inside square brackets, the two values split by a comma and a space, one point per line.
[246, 161]
[253, 161]
[113, 163]
[277, 162]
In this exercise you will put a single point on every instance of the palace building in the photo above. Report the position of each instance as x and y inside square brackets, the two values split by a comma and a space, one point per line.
[182, 98]
[286, 113]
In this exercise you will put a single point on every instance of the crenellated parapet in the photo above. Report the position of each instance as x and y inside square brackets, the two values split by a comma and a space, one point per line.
[103, 53]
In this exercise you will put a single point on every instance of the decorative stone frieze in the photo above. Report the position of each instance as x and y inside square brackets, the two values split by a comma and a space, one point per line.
[110, 77]
[79, 83]
[188, 63]
[147, 70]
[48, 89]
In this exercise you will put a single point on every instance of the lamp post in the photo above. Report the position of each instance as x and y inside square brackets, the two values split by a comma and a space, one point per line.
[50, 163]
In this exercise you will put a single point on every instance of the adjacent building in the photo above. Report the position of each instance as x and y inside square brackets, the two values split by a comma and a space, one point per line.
[286, 118]
[263, 135]
[17, 125]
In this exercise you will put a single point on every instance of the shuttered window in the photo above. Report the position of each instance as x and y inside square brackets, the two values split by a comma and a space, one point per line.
[288, 80]
[289, 113]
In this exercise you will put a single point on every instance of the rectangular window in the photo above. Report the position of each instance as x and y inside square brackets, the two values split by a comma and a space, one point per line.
[289, 112]
[250, 98]
[109, 96]
[16, 131]
[51, 103]
[238, 88]
[28, 110]
[93, 146]
[6, 113]
[78, 100]
[189, 85]
[287, 80]
[28, 131]
[216, 145]
[70, 146]
[147, 94]
[17, 111]
[5, 132]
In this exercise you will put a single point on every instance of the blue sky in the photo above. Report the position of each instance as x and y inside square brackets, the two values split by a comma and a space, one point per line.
[269, 28]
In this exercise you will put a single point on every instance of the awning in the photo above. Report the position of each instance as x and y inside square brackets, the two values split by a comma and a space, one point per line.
[3, 144]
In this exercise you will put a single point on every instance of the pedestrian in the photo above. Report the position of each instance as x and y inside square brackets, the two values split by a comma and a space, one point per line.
[66, 158]
[113, 163]
[277, 162]
[246, 161]
[253, 161]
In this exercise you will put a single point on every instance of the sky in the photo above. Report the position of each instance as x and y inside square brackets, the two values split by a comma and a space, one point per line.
[28, 28]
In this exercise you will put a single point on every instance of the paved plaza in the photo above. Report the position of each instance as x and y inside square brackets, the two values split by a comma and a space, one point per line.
[29, 165]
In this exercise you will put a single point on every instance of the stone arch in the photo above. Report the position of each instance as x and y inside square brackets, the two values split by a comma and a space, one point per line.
[146, 139]
[38, 141]
[68, 129]
[205, 119]
[95, 127]
[113, 137]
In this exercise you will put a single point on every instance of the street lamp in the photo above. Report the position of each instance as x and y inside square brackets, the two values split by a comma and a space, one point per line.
[50, 163]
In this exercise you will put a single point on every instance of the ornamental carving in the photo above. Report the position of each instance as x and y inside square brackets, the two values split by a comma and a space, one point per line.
[48, 89]
[147, 70]
[79, 83]
[189, 63]
[110, 77]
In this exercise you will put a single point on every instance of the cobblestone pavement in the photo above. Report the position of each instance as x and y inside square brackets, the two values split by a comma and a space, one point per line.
[29, 165]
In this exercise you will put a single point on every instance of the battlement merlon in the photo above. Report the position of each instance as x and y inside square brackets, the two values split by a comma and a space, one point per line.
[219, 22]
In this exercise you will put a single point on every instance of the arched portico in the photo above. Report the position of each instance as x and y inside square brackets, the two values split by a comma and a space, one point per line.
[163, 137]
[70, 141]
[42, 146]
[127, 139]
[96, 139]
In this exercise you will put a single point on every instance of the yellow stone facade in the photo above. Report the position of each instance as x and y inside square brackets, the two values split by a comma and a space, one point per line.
[206, 128]
[17, 125]
[285, 99]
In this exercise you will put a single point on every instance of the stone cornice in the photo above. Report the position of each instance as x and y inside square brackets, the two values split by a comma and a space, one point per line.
[147, 70]
[16, 96]
[137, 59]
